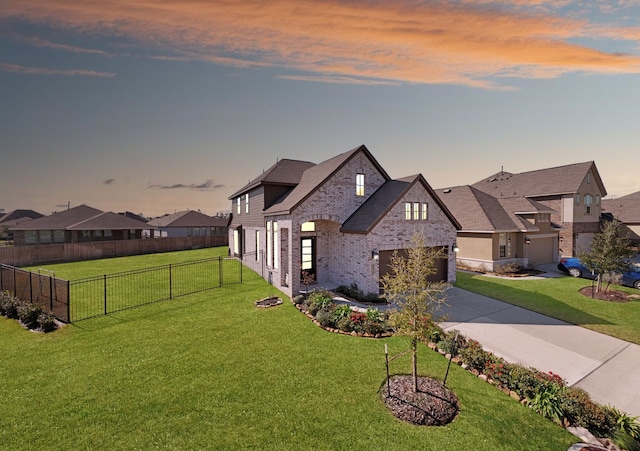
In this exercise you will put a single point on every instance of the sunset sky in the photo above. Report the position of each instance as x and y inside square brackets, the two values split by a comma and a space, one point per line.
[160, 106]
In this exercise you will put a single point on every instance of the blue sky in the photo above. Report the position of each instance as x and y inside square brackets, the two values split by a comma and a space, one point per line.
[172, 105]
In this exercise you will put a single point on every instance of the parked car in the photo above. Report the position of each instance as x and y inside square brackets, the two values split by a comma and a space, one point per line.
[574, 267]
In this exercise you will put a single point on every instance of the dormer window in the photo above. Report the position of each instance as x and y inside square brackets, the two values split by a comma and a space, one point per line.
[359, 184]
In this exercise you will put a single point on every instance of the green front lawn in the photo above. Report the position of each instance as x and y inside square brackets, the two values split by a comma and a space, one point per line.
[211, 371]
[559, 298]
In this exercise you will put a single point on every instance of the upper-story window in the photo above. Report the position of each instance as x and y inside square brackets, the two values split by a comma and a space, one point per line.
[425, 211]
[544, 217]
[239, 201]
[587, 203]
[416, 211]
[577, 199]
[407, 211]
[588, 177]
[246, 203]
[359, 184]
[597, 199]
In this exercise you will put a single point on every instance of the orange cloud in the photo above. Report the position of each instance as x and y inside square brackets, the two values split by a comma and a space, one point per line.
[468, 43]
[45, 71]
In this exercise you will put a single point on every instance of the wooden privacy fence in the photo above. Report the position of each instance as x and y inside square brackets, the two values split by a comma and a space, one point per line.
[70, 252]
[38, 288]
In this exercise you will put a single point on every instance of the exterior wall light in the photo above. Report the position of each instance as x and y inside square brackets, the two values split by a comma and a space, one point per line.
[528, 240]
[455, 248]
[375, 254]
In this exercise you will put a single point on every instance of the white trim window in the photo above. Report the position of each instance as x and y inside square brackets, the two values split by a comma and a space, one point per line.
[239, 201]
[276, 246]
[257, 245]
[416, 210]
[269, 245]
[425, 211]
[359, 184]
[407, 211]
[587, 204]
[246, 200]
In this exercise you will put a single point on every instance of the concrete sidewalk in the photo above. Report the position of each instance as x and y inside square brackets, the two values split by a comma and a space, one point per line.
[606, 367]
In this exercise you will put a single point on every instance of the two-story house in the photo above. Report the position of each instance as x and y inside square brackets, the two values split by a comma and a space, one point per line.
[625, 209]
[337, 222]
[531, 218]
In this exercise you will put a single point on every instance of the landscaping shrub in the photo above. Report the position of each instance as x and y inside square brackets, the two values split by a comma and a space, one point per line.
[375, 322]
[450, 343]
[318, 300]
[548, 402]
[325, 316]
[28, 313]
[345, 324]
[299, 299]
[507, 268]
[433, 332]
[340, 312]
[47, 322]
[474, 356]
[500, 371]
[9, 305]
[353, 292]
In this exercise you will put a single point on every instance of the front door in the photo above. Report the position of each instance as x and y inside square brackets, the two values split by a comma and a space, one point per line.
[308, 258]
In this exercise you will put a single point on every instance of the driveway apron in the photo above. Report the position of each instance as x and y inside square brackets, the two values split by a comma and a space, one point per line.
[607, 368]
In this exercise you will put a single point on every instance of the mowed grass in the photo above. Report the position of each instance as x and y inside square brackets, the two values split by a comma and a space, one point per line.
[119, 283]
[560, 298]
[211, 371]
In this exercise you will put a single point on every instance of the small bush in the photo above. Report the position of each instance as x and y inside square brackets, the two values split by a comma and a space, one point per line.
[345, 324]
[325, 317]
[318, 300]
[548, 402]
[474, 355]
[9, 305]
[342, 311]
[28, 313]
[507, 268]
[432, 331]
[499, 370]
[353, 292]
[299, 299]
[47, 322]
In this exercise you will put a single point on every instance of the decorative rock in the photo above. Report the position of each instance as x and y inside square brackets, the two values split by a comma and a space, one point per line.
[514, 395]
[354, 334]
[447, 356]
[483, 377]
[456, 360]
[431, 345]
[464, 366]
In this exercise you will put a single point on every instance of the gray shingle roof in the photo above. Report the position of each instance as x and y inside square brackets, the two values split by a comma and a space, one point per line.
[542, 182]
[625, 208]
[314, 177]
[82, 217]
[18, 216]
[478, 211]
[375, 207]
[188, 218]
[285, 172]
[365, 218]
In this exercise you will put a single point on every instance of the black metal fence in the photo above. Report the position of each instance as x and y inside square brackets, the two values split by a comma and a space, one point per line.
[38, 288]
[101, 295]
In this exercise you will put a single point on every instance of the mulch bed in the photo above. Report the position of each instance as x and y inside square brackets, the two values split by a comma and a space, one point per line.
[610, 295]
[268, 302]
[431, 405]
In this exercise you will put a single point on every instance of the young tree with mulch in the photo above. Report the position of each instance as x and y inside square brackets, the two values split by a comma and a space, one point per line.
[610, 253]
[415, 297]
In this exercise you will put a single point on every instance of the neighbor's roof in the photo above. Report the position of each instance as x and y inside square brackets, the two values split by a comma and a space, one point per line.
[542, 182]
[188, 218]
[625, 208]
[479, 212]
[16, 217]
[285, 172]
[82, 217]
[314, 177]
[376, 207]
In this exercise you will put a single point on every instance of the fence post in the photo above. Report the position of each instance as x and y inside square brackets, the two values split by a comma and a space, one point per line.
[170, 282]
[15, 293]
[30, 287]
[105, 293]
[220, 261]
[241, 265]
[51, 293]
[68, 301]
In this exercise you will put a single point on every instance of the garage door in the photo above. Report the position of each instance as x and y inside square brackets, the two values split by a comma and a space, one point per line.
[541, 251]
[441, 273]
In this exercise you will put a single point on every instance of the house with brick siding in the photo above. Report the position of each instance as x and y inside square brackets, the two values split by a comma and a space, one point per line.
[338, 221]
[530, 218]
[13, 219]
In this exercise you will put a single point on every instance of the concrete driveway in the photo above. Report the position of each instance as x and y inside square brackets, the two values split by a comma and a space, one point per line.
[606, 367]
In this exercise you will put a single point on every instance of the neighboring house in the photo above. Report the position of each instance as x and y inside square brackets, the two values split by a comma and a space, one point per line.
[546, 213]
[15, 218]
[77, 225]
[338, 221]
[626, 209]
[500, 231]
[188, 223]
